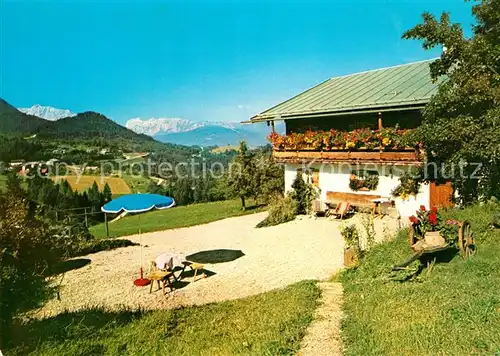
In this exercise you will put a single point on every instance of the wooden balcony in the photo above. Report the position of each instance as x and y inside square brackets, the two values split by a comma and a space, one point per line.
[402, 157]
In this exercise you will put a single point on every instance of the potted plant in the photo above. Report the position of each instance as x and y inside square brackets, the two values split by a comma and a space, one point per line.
[432, 230]
[409, 185]
[351, 245]
[369, 182]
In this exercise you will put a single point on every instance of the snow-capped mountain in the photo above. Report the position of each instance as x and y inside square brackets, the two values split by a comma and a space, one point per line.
[47, 112]
[159, 126]
[202, 133]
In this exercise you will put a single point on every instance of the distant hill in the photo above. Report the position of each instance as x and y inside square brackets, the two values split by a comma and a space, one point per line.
[87, 125]
[213, 136]
[12, 121]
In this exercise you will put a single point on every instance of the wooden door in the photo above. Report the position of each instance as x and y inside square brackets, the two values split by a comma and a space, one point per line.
[441, 195]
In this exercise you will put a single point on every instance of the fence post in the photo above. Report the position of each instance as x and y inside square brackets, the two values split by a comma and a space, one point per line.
[107, 226]
[86, 219]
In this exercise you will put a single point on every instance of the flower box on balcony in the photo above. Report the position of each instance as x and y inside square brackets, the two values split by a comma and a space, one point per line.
[362, 139]
[338, 156]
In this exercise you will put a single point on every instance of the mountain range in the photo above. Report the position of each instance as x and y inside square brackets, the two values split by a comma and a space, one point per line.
[52, 122]
[47, 112]
[202, 133]
[159, 126]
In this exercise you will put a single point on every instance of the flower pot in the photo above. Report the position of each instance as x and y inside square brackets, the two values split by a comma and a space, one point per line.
[434, 238]
[350, 257]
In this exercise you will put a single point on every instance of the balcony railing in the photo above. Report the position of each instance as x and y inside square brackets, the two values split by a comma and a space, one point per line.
[388, 145]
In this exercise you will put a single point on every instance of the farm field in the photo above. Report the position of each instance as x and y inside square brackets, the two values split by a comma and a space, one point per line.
[181, 216]
[224, 149]
[81, 183]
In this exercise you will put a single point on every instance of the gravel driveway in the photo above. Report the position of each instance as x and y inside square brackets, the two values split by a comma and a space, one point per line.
[273, 257]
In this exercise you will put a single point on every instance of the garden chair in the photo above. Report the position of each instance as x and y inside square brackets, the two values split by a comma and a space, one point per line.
[164, 263]
[341, 210]
[161, 275]
[320, 208]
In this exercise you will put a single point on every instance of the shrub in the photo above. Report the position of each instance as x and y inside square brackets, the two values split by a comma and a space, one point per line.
[351, 236]
[496, 221]
[304, 194]
[281, 211]
[29, 248]
[369, 231]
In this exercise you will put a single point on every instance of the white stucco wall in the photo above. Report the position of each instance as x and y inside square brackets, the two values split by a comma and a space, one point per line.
[335, 178]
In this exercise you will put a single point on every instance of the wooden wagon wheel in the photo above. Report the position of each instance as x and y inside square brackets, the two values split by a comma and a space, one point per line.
[466, 240]
[411, 235]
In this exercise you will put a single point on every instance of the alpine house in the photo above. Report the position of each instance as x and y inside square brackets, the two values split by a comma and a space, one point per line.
[351, 137]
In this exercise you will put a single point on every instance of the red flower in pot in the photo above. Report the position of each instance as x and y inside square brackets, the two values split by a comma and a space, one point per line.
[414, 220]
[433, 218]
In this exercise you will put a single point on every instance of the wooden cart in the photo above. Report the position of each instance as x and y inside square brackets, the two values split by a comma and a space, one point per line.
[422, 248]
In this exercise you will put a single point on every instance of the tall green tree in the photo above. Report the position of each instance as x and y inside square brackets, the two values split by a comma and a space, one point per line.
[461, 127]
[106, 193]
[269, 178]
[95, 198]
[241, 179]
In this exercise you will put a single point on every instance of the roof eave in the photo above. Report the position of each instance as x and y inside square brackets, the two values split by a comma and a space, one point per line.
[414, 105]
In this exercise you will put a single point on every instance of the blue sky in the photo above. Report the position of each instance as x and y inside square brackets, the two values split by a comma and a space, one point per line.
[199, 60]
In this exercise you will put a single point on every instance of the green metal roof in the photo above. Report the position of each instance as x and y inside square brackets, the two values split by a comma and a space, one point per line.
[403, 87]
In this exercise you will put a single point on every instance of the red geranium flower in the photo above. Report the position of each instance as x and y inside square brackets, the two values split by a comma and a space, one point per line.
[433, 219]
[434, 209]
[422, 208]
[413, 220]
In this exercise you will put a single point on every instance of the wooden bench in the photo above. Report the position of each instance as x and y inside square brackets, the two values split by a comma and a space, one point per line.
[194, 267]
[357, 200]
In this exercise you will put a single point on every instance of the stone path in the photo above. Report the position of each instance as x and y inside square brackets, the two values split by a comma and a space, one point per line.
[323, 335]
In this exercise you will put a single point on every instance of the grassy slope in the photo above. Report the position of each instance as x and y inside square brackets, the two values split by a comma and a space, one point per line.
[3, 182]
[454, 310]
[180, 216]
[137, 184]
[267, 324]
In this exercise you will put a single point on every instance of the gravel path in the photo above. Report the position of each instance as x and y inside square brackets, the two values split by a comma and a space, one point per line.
[274, 257]
[323, 335]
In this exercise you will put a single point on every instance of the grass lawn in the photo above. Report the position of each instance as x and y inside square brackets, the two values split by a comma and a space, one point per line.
[137, 184]
[180, 216]
[272, 323]
[454, 310]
